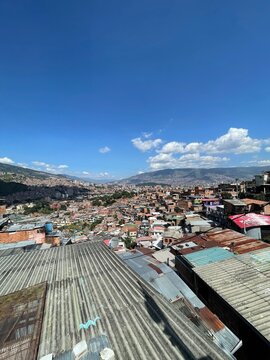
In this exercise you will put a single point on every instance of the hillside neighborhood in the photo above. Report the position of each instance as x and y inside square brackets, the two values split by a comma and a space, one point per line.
[180, 242]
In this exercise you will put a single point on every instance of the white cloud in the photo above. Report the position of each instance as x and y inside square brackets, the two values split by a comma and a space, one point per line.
[235, 141]
[259, 162]
[104, 150]
[85, 173]
[167, 161]
[263, 162]
[23, 165]
[103, 174]
[199, 154]
[193, 147]
[6, 160]
[173, 147]
[41, 165]
[147, 135]
[145, 145]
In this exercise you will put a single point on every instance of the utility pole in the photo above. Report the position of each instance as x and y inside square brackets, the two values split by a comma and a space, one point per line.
[236, 187]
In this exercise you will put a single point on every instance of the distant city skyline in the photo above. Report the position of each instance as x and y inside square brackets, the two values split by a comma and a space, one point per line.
[109, 90]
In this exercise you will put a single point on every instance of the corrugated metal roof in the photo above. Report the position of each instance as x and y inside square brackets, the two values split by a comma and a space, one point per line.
[208, 256]
[24, 227]
[245, 221]
[17, 244]
[162, 278]
[243, 282]
[237, 242]
[88, 280]
[94, 346]
[235, 202]
[164, 256]
[3, 221]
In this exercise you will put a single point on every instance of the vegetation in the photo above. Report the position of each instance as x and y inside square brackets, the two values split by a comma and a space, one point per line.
[8, 188]
[40, 207]
[82, 226]
[17, 170]
[129, 242]
[63, 207]
[107, 200]
[226, 195]
[94, 224]
[261, 196]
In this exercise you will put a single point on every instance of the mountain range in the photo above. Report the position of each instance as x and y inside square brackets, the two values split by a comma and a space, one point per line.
[193, 176]
[26, 172]
[182, 177]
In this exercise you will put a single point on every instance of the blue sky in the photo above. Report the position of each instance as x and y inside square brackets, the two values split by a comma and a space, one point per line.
[112, 88]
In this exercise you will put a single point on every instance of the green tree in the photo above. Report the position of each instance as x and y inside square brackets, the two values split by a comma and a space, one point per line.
[129, 242]
[63, 207]
[226, 195]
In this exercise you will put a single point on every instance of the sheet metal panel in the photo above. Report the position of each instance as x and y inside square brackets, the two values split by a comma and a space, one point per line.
[173, 288]
[88, 280]
[250, 220]
[244, 282]
[208, 256]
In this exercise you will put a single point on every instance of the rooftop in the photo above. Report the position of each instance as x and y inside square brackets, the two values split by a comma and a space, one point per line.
[183, 300]
[250, 220]
[88, 284]
[208, 256]
[235, 202]
[243, 282]
[21, 315]
[248, 201]
[24, 227]
[226, 238]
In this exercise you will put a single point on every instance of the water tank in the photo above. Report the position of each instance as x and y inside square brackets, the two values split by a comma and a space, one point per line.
[114, 242]
[48, 227]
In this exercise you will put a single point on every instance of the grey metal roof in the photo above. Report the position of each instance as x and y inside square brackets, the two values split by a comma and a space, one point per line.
[86, 281]
[95, 345]
[17, 244]
[3, 220]
[162, 278]
[244, 282]
[163, 256]
[235, 202]
[23, 227]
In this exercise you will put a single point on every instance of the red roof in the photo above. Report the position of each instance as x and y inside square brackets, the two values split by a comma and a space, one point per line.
[158, 227]
[144, 238]
[211, 199]
[107, 242]
[250, 220]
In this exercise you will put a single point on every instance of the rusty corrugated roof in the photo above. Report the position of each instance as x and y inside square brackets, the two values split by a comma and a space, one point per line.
[235, 241]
